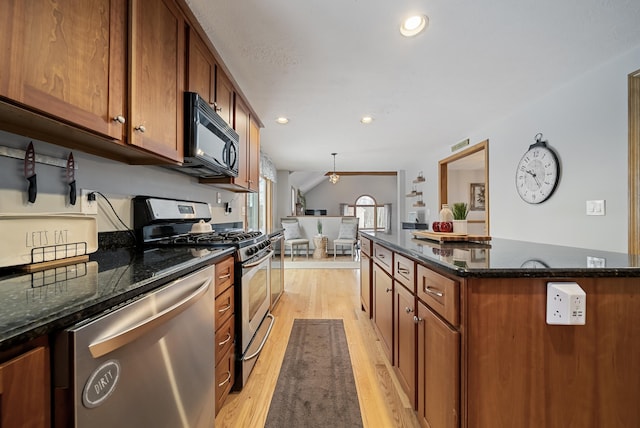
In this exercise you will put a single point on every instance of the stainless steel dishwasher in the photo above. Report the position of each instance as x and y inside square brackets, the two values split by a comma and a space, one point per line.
[149, 363]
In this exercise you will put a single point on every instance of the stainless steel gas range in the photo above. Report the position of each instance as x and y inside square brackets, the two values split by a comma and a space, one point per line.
[169, 222]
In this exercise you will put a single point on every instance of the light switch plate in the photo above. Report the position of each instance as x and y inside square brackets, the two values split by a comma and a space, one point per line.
[595, 207]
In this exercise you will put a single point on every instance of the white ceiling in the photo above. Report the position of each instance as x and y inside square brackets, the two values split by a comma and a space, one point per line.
[326, 63]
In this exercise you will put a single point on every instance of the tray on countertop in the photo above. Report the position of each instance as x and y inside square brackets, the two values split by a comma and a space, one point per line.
[449, 236]
[46, 237]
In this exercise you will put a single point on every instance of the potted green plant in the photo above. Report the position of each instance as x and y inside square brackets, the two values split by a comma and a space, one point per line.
[319, 227]
[460, 211]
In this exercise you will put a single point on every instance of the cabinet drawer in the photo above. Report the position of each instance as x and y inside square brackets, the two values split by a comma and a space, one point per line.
[224, 275]
[365, 245]
[383, 257]
[225, 306]
[225, 373]
[225, 337]
[404, 271]
[440, 293]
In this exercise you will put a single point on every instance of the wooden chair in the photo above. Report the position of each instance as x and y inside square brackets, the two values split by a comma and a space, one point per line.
[293, 235]
[348, 236]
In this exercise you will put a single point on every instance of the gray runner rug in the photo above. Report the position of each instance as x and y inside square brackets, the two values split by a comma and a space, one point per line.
[315, 387]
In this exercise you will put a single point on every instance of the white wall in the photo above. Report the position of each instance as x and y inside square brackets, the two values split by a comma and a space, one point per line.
[117, 181]
[329, 196]
[586, 122]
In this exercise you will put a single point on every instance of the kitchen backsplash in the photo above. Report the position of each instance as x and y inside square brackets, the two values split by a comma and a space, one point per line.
[117, 181]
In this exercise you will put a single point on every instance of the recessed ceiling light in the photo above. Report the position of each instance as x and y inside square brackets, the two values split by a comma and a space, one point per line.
[282, 120]
[414, 25]
[366, 119]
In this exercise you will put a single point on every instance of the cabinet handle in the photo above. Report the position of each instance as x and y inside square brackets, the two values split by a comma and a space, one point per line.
[388, 289]
[225, 276]
[226, 380]
[223, 310]
[140, 128]
[408, 310]
[433, 291]
[417, 319]
[403, 270]
[226, 340]
[119, 118]
[380, 255]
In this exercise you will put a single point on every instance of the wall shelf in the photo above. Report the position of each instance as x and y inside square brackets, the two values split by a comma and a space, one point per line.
[417, 193]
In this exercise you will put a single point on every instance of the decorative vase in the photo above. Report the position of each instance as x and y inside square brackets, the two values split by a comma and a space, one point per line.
[460, 226]
[445, 213]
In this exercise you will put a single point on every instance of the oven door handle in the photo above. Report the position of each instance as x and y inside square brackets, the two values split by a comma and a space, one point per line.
[128, 334]
[264, 340]
[252, 264]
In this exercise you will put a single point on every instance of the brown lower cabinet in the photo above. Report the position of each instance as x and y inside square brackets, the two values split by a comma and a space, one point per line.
[405, 340]
[365, 283]
[383, 308]
[225, 375]
[25, 390]
[225, 330]
[438, 371]
[484, 355]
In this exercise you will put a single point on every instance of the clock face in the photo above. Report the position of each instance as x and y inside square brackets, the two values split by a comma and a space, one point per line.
[537, 174]
[534, 264]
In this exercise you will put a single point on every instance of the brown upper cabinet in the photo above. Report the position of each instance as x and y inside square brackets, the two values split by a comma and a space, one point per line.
[207, 78]
[253, 157]
[201, 77]
[157, 78]
[67, 59]
[65, 78]
[224, 96]
[107, 77]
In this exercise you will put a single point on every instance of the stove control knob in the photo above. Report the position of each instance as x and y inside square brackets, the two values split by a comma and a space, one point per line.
[251, 251]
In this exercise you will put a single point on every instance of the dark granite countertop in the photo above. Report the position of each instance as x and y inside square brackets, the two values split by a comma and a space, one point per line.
[510, 258]
[39, 303]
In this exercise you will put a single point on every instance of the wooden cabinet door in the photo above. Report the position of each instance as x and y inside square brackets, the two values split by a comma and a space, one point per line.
[25, 390]
[383, 309]
[405, 340]
[253, 157]
[438, 371]
[67, 60]
[157, 78]
[224, 96]
[365, 283]
[241, 126]
[201, 75]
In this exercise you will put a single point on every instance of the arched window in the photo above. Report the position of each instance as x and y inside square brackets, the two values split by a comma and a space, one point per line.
[372, 216]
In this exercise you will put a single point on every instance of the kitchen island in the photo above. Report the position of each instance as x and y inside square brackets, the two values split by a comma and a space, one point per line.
[485, 355]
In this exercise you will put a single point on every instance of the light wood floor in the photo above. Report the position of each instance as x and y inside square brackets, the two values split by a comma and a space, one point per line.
[323, 293]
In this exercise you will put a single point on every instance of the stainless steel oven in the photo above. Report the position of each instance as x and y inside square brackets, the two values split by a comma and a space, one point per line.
[256, 321]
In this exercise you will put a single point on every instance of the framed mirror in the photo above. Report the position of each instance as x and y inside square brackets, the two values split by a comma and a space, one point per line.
[464, 177]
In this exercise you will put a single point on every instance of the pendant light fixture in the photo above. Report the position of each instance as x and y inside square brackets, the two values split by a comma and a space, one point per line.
[333, 178]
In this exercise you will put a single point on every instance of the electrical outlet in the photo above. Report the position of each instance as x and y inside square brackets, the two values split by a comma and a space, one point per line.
[566, 303]
[88, 205]
[596, 207]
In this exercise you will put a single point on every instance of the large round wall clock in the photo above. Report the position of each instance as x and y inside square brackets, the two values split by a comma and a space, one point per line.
[538, 172]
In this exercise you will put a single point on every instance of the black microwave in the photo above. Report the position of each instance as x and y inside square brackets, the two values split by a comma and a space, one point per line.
[210, 144]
